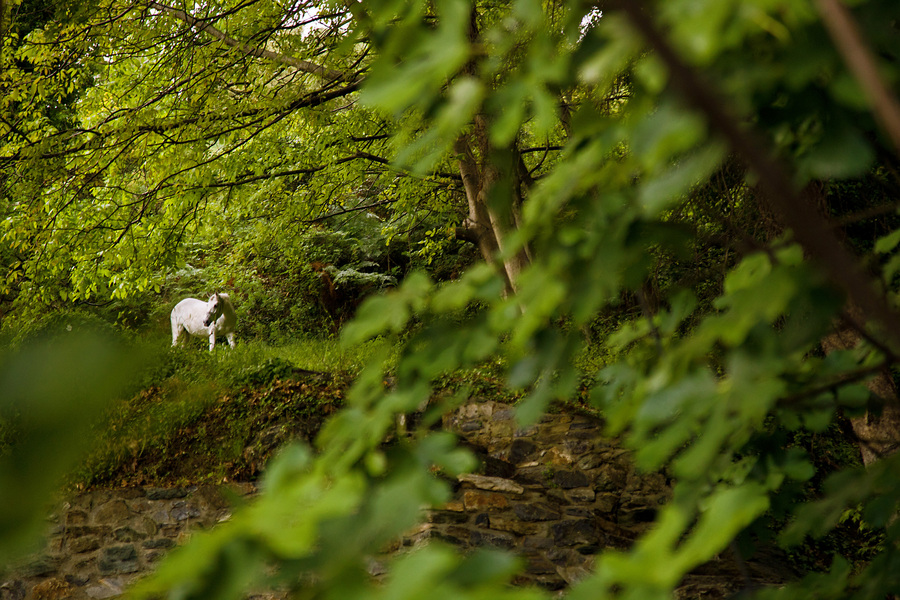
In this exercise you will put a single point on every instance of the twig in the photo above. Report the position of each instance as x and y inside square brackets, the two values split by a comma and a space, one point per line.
[859, 58]
[795, 210]
[205, 27]
[842, 380]
[349, 210]
[853, 323]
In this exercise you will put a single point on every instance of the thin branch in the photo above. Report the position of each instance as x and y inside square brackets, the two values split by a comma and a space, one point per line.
[370, 138]
[12, 126]
[345, 211]
[868, 213]
[202, 26]
[246, 180]
[370, 157]
[861, 61]
[832, 386]
[540, 149]
[795, 210]
[860, 327]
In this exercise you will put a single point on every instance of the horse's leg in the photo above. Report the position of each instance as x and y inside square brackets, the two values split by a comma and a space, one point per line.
[212, 338]
[176, 331]
[230, 337]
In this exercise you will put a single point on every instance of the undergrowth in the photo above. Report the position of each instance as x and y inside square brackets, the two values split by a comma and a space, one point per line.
[197, 416]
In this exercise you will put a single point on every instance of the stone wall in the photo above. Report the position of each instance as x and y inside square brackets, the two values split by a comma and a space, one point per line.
[101, 541]
[556, 493]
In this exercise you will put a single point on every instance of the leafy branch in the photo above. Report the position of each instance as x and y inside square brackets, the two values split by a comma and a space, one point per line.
[205, 27]
[796, 210]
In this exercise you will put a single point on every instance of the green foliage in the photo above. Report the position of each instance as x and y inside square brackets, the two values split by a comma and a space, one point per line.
[617, 187]
[194, 416]
[304, 285]
[271, 369]
[52, 390]
[203, 166]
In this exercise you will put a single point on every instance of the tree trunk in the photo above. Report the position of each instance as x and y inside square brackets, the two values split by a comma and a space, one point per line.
[877, 431]
[492, 217]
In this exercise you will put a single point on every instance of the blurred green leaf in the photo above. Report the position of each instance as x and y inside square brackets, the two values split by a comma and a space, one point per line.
[843, 152]
[53, 391]
[887, 243]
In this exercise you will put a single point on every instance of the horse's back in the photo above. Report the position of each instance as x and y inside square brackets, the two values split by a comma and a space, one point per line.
[189, 313]
[187, 304]
[190, 301]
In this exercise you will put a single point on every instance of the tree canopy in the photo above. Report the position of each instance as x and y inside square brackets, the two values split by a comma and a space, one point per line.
[714, 181]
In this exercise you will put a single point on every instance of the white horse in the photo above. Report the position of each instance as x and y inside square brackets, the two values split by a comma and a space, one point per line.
[203, 319]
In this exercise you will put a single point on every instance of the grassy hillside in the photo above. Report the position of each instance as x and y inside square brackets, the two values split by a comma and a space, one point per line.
[198, 416]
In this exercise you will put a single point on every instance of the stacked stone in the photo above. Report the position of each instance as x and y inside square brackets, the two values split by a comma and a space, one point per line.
[555, 493]
[101, 541]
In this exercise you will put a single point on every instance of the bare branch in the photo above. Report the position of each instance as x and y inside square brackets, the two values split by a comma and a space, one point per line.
[246, 180]
[540, 149]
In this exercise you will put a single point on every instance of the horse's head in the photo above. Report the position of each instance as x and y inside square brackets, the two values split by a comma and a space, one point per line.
[213, 310]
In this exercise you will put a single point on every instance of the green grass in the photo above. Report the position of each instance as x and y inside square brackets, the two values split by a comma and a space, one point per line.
[327, 355]
[225, 365]
[191, 415]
